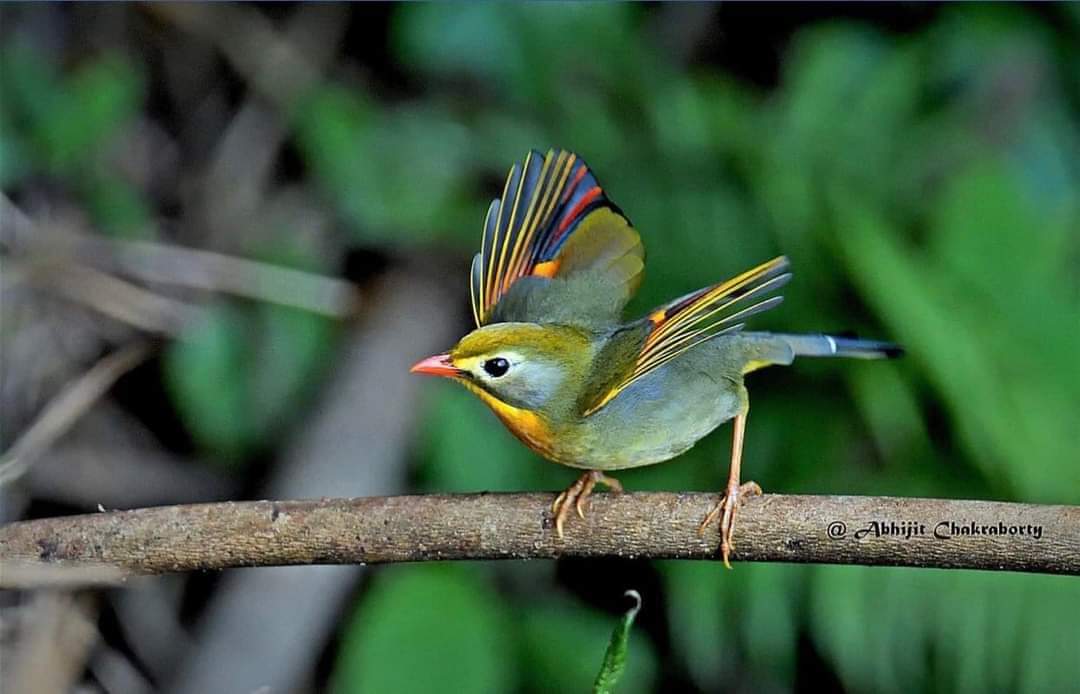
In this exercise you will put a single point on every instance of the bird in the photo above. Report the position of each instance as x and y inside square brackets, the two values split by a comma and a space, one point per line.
[554, 359]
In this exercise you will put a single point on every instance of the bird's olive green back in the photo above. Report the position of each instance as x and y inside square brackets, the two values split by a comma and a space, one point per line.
[613, 364]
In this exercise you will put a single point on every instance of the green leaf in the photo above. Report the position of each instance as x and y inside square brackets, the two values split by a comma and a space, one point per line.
[526, 52]
[615, 657]
[558, 640]
[241, 372]
[30, 85]
[16, 160]
[292, 346]
[886, 396]
[395, 174]
[945, 630]
[1045, 630]
[118, 207]
[206, 373]
[475, 39]
[1005, 413]
[769, 618]
[105, 95]
[875, 644]
[426, 628]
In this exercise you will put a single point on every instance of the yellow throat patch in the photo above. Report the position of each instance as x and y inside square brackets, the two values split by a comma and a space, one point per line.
[529, 427]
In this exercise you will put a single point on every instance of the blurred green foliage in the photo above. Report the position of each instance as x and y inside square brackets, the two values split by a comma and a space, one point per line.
[435, 628]
[427, 629]
[926, 190]
[62, 125]
[925, 187]
[239, 375]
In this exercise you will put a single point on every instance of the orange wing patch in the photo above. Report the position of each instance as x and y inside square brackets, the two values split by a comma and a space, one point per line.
[548, 269]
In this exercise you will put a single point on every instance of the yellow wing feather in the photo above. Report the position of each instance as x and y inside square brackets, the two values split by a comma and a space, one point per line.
[703, 315]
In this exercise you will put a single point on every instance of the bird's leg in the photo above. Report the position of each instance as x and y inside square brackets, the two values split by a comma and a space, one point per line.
[576, 495]
[729, 505]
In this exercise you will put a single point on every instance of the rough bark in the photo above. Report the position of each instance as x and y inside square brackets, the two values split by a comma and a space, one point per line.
[375, 530]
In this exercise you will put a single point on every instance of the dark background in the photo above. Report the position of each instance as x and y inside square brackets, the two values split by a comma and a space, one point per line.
[917, 162]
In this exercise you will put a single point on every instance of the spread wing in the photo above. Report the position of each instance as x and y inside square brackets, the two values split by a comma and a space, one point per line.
[554, 248]
[688, 321]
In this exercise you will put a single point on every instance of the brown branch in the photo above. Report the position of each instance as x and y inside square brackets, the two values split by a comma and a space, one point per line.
[518, 526]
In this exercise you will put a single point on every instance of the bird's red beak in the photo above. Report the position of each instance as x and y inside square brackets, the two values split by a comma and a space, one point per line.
[438, 365]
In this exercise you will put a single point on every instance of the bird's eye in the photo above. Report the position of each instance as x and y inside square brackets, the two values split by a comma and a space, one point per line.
[496, 367]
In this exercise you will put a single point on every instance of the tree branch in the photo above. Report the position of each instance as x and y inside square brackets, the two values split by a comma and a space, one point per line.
[876, 531]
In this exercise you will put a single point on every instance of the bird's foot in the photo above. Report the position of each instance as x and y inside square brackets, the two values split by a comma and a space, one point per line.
[726, 510]
[576, 496]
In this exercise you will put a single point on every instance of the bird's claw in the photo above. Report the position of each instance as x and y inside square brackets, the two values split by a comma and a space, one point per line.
[576, 496]
[726, 510]
[558, 502]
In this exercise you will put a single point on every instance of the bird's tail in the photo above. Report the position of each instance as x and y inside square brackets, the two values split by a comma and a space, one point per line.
[836, 346]
[766, 349]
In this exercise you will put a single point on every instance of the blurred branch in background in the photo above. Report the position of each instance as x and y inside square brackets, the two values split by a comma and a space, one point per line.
[370, 407]
[62, 412]
[61, 632]
[78, 262]
[818, 529]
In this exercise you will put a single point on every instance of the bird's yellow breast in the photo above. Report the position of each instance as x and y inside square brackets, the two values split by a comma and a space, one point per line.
[528, 426]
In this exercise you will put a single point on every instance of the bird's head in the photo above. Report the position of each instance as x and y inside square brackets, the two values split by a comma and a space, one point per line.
[527, 366]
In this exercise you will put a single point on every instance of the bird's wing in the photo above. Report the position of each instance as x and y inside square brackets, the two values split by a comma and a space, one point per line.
[554, 227]
[688, 321]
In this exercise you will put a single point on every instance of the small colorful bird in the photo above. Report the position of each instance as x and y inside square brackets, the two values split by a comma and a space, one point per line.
[553, 359]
